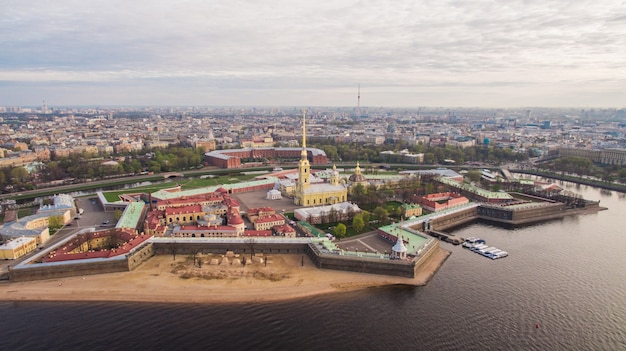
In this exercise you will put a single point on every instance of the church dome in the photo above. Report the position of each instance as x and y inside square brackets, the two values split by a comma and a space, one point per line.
[357, 178]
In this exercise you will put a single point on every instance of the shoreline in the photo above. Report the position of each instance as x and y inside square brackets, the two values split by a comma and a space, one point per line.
[160, 280]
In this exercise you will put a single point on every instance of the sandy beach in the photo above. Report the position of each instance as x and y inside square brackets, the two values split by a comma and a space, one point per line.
[162, 279]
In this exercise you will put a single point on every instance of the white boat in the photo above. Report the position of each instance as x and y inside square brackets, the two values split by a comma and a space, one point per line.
[491, 253]
[485, 250]
[479, 247]
[500, 255]
[472, 241]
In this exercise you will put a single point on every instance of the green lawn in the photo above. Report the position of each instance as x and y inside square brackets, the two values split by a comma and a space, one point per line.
[326, 227]
[186, 184]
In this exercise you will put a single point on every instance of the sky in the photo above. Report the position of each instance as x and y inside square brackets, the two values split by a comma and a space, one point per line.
[402, 53]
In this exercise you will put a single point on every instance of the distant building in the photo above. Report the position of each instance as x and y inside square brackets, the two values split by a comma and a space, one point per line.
[232, 158]
[256, 143]
[605, 156]
[441, 201]
[403, 156]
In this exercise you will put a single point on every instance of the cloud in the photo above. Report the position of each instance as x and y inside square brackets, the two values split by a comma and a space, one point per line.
[287, 48]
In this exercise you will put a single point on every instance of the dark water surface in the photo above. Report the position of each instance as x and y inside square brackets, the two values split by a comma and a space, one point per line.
[568, 277]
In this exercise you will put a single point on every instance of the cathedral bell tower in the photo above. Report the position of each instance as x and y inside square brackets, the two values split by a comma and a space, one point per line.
[304, 168]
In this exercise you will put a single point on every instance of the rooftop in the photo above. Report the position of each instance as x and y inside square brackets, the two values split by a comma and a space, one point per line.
[131, 216]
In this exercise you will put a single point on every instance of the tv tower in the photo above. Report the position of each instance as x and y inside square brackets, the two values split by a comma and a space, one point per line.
[358, 102]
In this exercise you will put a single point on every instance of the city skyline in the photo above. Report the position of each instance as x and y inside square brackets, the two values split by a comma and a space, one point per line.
[278, 53]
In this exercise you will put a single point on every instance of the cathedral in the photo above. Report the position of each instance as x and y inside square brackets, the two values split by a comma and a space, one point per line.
[308, 194]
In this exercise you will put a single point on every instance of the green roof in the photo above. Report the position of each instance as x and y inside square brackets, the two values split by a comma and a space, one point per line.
[413, 240]
[476, 190]
[314, 231]
[131, 216]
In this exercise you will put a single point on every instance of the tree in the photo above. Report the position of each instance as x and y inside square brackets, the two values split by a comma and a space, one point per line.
[154, 167]
[397, 212]
[250, 242]
[18, 175]
[474, 175]
[117, 215]
[358, 224]
[173, 249]
[55, 222]
[340, 230]
[358, 193]
[366, 217]
[381, 214]
[333, 215]
[194, 254]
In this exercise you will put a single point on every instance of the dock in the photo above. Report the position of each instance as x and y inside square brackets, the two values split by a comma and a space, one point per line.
[449, 238]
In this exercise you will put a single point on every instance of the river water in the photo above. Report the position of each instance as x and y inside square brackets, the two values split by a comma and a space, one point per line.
[563, 287]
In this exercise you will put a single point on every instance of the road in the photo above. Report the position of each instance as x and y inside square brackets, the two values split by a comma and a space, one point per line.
[100, 183]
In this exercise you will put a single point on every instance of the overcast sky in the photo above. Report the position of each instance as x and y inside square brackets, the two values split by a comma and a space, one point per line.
[499, 53]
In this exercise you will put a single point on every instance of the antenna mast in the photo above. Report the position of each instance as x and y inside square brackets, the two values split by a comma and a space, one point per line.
[358, 103]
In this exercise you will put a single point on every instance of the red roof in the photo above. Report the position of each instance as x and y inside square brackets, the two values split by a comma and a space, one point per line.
[131, 241]
[272, 218]
[208, 228]
[235, 219]
[284, 228]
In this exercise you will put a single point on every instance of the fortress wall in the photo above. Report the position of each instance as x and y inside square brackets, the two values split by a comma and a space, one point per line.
[454, 219]
[532, 213]
[221, 248]
[361, 264]
[39, 271]
[520, 216]
[425, 257]
[122, 263]
[140, 255]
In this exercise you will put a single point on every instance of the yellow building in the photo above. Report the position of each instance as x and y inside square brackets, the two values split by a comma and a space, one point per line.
[257, 143]
[409, 210]
[307, 194]
[17, 248]
[269, 222]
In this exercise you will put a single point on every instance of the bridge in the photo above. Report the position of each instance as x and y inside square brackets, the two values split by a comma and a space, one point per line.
[168, 175]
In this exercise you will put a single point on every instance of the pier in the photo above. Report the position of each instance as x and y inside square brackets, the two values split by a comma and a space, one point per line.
[449, 238]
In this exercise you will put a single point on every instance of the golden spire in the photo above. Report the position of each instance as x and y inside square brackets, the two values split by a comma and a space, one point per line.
[304, 128]
[304, 133]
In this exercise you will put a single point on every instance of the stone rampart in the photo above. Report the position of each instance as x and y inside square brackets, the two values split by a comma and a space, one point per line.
[189, 248]
[361, 264]
[39, 271]
[454, 219]
[55, 270]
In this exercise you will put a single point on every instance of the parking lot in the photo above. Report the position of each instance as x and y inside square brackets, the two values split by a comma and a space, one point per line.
[94, 215]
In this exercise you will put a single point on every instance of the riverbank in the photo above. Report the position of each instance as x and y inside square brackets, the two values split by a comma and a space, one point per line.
[577, 180]
[162, 279]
